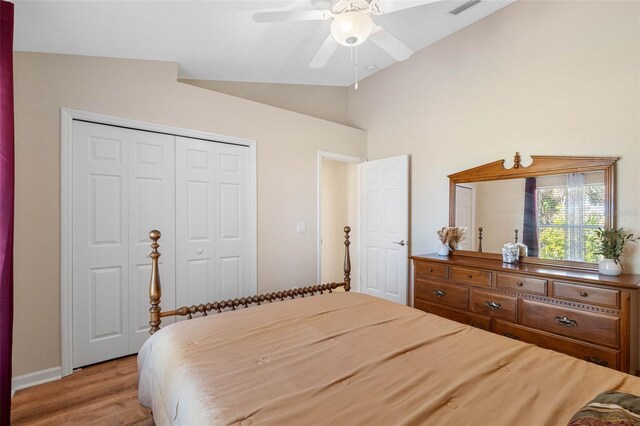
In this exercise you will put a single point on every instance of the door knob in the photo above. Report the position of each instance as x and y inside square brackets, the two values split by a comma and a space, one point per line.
[400, 243]
[200, 251]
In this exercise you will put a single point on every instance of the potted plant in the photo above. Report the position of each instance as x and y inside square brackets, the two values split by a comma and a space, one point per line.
[611, 245]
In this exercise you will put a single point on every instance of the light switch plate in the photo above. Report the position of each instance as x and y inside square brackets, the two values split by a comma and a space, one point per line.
[301, 228]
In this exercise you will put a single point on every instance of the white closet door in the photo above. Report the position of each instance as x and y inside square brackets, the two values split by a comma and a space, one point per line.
[232, 224]
[195, 222]
[100, 243]
[213, 259]
[123, 187]
[128, 182]
[151, 206]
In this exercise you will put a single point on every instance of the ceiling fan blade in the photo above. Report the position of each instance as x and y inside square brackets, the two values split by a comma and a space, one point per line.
[322, 4]
[324, 54]
[296, 15]
[390, 44]
[390, 6]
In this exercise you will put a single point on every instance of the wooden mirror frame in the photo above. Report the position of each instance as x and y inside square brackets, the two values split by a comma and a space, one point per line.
[542, 165]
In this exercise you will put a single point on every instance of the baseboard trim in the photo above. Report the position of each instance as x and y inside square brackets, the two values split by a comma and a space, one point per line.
[35, 378]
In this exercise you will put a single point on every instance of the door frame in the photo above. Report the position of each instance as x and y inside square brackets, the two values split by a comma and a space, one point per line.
[325, 155]
[67, 116]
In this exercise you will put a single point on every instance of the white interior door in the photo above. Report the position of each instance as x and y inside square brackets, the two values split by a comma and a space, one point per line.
[213, 230]
[127, 182]
[233, 230]
[100, 249]
[385, 213]
[123, 186]
[464, 214]
[195, 224]
[152, 205]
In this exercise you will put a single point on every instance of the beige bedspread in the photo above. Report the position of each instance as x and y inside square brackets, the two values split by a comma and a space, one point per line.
[348, 358]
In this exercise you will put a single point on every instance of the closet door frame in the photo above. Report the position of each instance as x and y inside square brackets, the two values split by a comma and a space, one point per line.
[67, 116]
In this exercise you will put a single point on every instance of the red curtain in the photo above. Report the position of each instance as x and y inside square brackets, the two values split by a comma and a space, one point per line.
[6, 207]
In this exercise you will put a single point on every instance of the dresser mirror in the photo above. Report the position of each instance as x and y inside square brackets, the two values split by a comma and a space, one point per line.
[553, 206]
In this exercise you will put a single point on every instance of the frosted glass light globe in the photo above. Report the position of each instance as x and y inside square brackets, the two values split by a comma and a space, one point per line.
[351, 28]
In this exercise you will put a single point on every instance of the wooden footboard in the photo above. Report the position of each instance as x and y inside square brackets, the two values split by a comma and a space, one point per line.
[155, 290]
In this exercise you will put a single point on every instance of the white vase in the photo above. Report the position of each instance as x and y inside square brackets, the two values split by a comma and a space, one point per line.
[443, 250]
[510, 253]
[609, 267]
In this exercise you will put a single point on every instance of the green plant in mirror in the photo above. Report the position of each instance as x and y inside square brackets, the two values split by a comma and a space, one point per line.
[611, 242]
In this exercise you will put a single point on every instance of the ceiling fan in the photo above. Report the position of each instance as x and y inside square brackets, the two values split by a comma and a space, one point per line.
[351, 25]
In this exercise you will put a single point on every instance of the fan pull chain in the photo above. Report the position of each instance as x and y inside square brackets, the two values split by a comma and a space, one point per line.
[356, 68]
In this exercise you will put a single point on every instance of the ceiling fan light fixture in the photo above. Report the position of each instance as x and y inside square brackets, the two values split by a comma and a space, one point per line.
[351, 28]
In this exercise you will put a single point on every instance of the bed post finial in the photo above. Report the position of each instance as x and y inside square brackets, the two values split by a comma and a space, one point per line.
[347, 260]
[155, 291]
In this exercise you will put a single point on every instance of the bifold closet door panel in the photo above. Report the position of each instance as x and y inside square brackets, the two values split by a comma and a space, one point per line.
[100, 243]
[195, 222]
[152, 205]
[212, 221]
[232, 224]
[127, 182]
[123, 187]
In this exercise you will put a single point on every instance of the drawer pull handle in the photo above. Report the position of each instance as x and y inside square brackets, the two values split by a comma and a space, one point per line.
[566, 322]
[469, 276]
[584, 294]
[494, 306]
[439, 293]
[596, 360]
[511, 336]
[430, 269]
[519, 283]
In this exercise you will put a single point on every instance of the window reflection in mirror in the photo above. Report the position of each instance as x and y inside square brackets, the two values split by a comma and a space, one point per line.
[555, 216]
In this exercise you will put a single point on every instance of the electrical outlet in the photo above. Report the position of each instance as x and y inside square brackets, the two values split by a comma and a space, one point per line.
[301, 228]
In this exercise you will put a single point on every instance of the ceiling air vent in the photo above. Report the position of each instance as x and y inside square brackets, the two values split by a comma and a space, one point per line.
[464, 7]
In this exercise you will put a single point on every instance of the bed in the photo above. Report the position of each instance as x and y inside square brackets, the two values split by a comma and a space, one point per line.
[348, 358]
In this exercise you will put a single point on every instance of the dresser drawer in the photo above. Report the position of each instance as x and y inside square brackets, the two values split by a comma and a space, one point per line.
[521, 283]
[493, 305]
[585, 351]
[471, 276]
[451, 295]
[431, 270]
[478, 321]
[586, 294]
[588, 326]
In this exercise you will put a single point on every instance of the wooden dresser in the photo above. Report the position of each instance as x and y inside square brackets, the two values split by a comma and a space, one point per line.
[580, 313]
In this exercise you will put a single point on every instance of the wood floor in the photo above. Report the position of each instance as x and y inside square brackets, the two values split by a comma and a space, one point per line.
[101, 394]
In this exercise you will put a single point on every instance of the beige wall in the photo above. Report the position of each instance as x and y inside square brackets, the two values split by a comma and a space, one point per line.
[325, 102]
[339, 209]
[287, 146]
[539, 77]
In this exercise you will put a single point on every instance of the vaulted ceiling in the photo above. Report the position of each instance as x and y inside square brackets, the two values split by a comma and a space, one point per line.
[219, 40]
